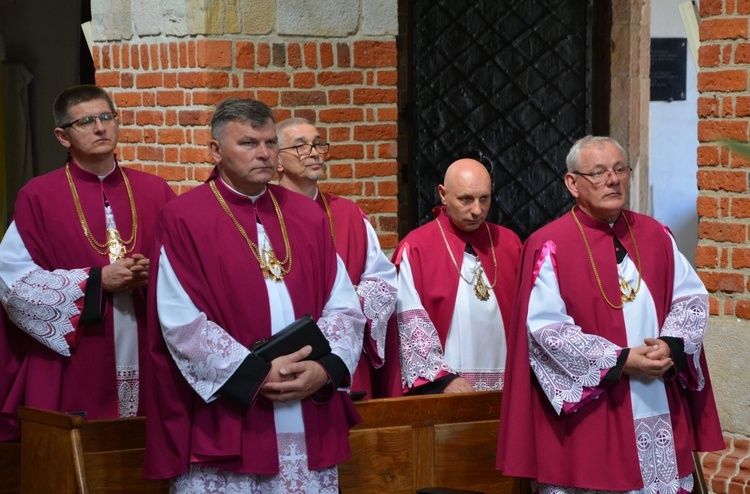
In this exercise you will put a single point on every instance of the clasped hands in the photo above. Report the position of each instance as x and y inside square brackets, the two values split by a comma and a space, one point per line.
[653, 359]
[126, 274]
[292, 378]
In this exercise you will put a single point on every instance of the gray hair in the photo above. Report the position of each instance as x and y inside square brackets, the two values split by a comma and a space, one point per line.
[249, 111]
[574, 155]
[285, 124]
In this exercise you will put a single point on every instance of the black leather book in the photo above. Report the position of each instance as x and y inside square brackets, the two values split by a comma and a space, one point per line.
[303, 331]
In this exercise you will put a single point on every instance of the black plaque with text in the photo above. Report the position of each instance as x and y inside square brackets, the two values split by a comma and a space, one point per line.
[668, 66]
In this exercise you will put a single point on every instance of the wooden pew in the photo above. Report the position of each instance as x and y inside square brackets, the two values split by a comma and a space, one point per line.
[405, 444]
[402, 444]
[10, 468]
[66, 453]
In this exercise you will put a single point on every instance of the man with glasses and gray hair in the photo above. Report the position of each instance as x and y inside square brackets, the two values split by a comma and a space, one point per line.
[608, 386]
[301, 165]
[73, 271]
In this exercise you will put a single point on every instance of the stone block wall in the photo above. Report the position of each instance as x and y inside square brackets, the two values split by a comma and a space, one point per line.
[723, 256]
[167, 63]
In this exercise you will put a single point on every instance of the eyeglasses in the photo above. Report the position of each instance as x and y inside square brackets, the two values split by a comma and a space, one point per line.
[600, 176]
[306, 149]
[88, 121]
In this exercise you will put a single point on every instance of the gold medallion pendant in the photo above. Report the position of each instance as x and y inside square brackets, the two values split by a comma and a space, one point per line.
[269, 264]
[115, 246]
[480, 289]
[628, 292]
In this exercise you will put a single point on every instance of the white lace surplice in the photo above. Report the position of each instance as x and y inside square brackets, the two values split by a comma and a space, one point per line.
[475, 346]
[569, 363]
[377, 288]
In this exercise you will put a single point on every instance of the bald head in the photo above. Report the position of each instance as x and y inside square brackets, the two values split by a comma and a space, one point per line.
[466, 193]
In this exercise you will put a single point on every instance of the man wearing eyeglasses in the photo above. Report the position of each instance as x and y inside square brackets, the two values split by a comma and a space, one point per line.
[608, 387]
[301, 166]
[73, 268]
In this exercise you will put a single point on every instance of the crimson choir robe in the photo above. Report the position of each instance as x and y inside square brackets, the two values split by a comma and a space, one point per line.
[223, 280]
[595, 447]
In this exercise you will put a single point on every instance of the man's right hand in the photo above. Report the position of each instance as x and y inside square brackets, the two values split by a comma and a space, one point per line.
[125, 275]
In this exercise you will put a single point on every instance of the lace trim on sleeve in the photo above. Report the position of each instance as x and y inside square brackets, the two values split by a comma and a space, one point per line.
[565, 361]
[378, 303]
[339, 327]
[205, 354]
[421, 351]
[42, 303]
[687, 320]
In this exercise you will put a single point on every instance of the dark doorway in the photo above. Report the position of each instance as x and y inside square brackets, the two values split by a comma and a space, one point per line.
[87, 70]
[507, 82]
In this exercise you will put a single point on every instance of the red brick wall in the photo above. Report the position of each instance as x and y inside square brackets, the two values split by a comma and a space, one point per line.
[723, 256]
[165, 93]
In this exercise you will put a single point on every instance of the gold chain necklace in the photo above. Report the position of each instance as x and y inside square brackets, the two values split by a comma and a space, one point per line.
[270, 266]
[330, 216]
[627, 293]
[115, 246]
[481, 290]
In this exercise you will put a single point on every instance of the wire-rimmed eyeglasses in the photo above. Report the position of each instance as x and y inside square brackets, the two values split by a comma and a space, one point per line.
[306, 149]
[600, 176]
[89, 120]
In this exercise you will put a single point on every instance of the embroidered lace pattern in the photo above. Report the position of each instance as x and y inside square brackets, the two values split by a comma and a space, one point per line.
[339, 328]
[205, 354]
[293, 478]
[565, 361]
[686, 487]
[657, 455]
[378, 302]
[687, 320]
[127, 390]
[42, 304]
[484, 380]
[421, 351]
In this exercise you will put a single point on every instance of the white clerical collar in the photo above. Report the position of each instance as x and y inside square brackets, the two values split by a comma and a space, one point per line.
[102, 177]
[252, 198]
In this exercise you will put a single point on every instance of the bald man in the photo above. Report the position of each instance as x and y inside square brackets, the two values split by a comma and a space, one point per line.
[455, 290]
